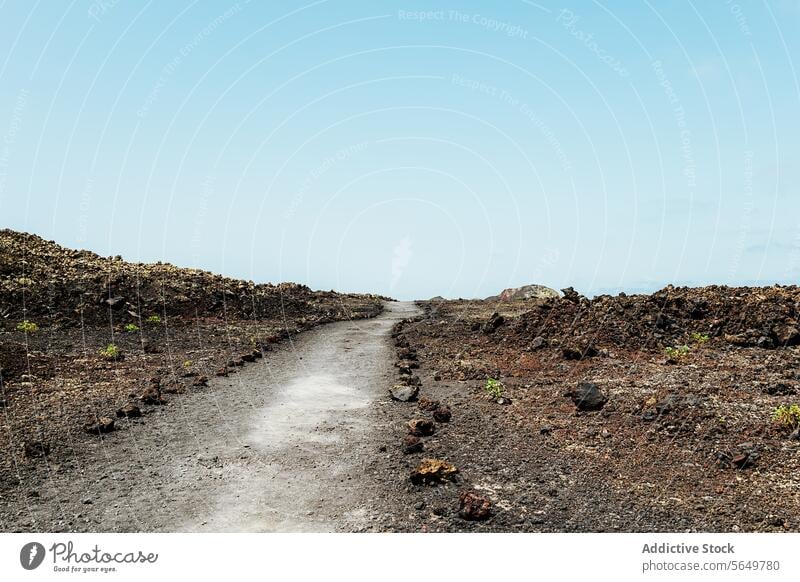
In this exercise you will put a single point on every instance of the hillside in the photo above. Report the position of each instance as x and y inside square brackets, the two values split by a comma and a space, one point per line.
[86, 340]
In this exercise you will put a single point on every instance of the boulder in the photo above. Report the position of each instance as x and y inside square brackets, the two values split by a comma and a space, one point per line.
[527, 292]
[474, 507]
[130, 410]
[152, 395]
[442, 414]
[491, 325]
[432, 471]
[404, 392]
[99, 425]
[587, 396]
[421, 427]
[412, 444]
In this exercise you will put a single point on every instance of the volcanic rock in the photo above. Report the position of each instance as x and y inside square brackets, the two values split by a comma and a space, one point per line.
[421, 427]
[431, 471]
[99, 425]
[404, 393]
[587, 396]
[474, 507]
[412, 444]
[442, 414]
[129, 411]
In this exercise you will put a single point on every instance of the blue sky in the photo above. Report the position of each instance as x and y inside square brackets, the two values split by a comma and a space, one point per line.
[410, 148]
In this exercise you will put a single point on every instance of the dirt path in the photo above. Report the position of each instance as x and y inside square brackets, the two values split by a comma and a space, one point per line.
[282, 446]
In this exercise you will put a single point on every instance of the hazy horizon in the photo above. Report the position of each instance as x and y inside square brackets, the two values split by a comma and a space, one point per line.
[410, 150]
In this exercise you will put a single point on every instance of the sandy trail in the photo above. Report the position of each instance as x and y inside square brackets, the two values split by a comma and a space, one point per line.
[284, 445]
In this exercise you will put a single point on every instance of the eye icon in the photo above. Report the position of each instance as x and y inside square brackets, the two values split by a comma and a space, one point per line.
[31, 555]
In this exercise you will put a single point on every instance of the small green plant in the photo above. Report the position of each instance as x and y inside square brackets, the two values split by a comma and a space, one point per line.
[676, 353]
[187, 364]
[494, 388]
[787, 415]
[27, 326]
[110, 352]
[154, 319]
[699, 338]
[131, 328]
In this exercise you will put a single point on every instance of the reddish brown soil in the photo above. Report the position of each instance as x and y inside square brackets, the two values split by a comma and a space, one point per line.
[54, 378]
[683, 444]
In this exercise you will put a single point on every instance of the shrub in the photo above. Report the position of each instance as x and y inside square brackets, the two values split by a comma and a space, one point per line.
[787, 415]
[110, 352]
[677, 353]
[154, 319]
[131, 328]
[27, 326]
[494, 388]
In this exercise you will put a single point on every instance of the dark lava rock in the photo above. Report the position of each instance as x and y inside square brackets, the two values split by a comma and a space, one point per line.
[247, 358]
[503, 401]
[404, 393]
[744, 460]
[587, 396]
[474, 507]
[442, 414]
[578, 352]
[427, 404]
[36, 449]
[571, 295]
[410, 380]
[421, 427]
[99, 425]
[410, 364]
[787, 335]
[200, 381]
[152, 395]
[407, 354]
[538, 342]
[174, 387]
[412, 444]
[495, 321]
[129, 411]
[779, 389]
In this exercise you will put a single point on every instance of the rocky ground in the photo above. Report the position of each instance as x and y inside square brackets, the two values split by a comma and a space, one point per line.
[131, 400]
[628, 413]
[90, 344]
